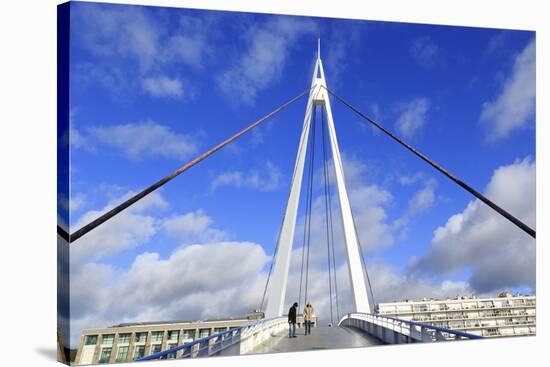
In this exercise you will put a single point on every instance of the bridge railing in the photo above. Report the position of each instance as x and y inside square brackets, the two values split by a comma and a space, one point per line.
[248, 336]
[395, 331]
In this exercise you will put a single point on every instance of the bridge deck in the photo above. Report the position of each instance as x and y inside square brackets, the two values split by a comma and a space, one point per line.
[322, 337]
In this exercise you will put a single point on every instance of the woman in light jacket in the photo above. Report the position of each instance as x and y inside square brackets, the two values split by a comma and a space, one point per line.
[308, 316]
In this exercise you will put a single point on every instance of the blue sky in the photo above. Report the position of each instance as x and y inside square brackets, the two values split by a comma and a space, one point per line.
[152, 87]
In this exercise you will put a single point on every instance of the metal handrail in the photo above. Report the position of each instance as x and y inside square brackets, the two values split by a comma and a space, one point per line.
[204, 345]
[440, 329]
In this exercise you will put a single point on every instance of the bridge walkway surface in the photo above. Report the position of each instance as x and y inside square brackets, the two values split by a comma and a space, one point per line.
[322, 337]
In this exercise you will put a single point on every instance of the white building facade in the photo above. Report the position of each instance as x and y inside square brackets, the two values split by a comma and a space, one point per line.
[505, 315]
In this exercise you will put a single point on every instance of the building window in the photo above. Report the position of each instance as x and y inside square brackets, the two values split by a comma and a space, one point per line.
[156, 336]
[421, 308]
[122, 354]
[124, 338]
[105, 355]
[173, 335]
[108, 339]
[203, 333]
[155, 348]
[90, 340]
[189, 334]
[219, 330]
[139, 352]
[171, 355]
[141, 337]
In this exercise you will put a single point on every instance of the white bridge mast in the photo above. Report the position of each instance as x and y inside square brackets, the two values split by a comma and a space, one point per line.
[318, 96]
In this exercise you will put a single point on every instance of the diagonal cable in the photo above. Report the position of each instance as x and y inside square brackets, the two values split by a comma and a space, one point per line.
[111, 213]
[462, 184]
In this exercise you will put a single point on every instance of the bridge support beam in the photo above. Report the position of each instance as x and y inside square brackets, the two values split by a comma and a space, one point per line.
[276, 297]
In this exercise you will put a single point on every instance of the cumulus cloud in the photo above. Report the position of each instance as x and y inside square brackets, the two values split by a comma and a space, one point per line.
[269, 180]
[406, 180]
[268, 48]
[496, 253]
[412, 117]
[78, 200]
[190, 41]
[145, 139]
[162, 86]
[514, 107]
[131, 48]
[131, 228]
[426, 52]
[340, 45]
[369, 204]
[194, 282]
[192, 227]
[124, 31]
[388, 285]
[421, 201]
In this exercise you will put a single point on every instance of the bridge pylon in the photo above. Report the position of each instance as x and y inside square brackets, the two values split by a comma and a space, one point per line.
[318, 97]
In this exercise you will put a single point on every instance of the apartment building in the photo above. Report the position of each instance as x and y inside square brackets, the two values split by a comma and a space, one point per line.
[505, 315]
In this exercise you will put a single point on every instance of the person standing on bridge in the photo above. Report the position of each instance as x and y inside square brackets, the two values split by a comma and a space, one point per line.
[292, 320]
[308, 318]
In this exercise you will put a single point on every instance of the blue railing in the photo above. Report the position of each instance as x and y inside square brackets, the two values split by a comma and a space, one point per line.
[209, 345]
[413, 330]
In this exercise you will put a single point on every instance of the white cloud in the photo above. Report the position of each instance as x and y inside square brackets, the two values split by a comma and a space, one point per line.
[495, 251]
[162, 86]
[514, 107]
[192, 227]
[422, 200]
[131, 49]
[369, 204]
[194, 282]
[125, 32]
[426, 52]
[341, 46]
[148, 138]
[390, 286]
[412, 117]
[77, 201]
[130, 228]
[406, 180]
[254, 179]
[268, 47]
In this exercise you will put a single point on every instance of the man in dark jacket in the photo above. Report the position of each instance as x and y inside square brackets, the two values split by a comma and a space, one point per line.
[292, 320]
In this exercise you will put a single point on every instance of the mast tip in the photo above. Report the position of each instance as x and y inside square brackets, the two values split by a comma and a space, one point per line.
[319, 47]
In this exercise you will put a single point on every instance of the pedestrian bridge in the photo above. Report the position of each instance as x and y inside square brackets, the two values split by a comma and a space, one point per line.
[271, 336]
[323, 337]
[359, 329]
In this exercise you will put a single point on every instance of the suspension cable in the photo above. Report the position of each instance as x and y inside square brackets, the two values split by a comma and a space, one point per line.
[331, 230]
[310, 203]
[111, 213]
[462, 184]
[363, 261]
[300, 148]
[325, 175]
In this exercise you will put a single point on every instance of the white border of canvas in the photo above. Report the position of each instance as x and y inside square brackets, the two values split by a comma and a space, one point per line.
[28, 146]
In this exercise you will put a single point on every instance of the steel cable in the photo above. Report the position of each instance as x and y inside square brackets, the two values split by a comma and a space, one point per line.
[119, 208]
[462, 184]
